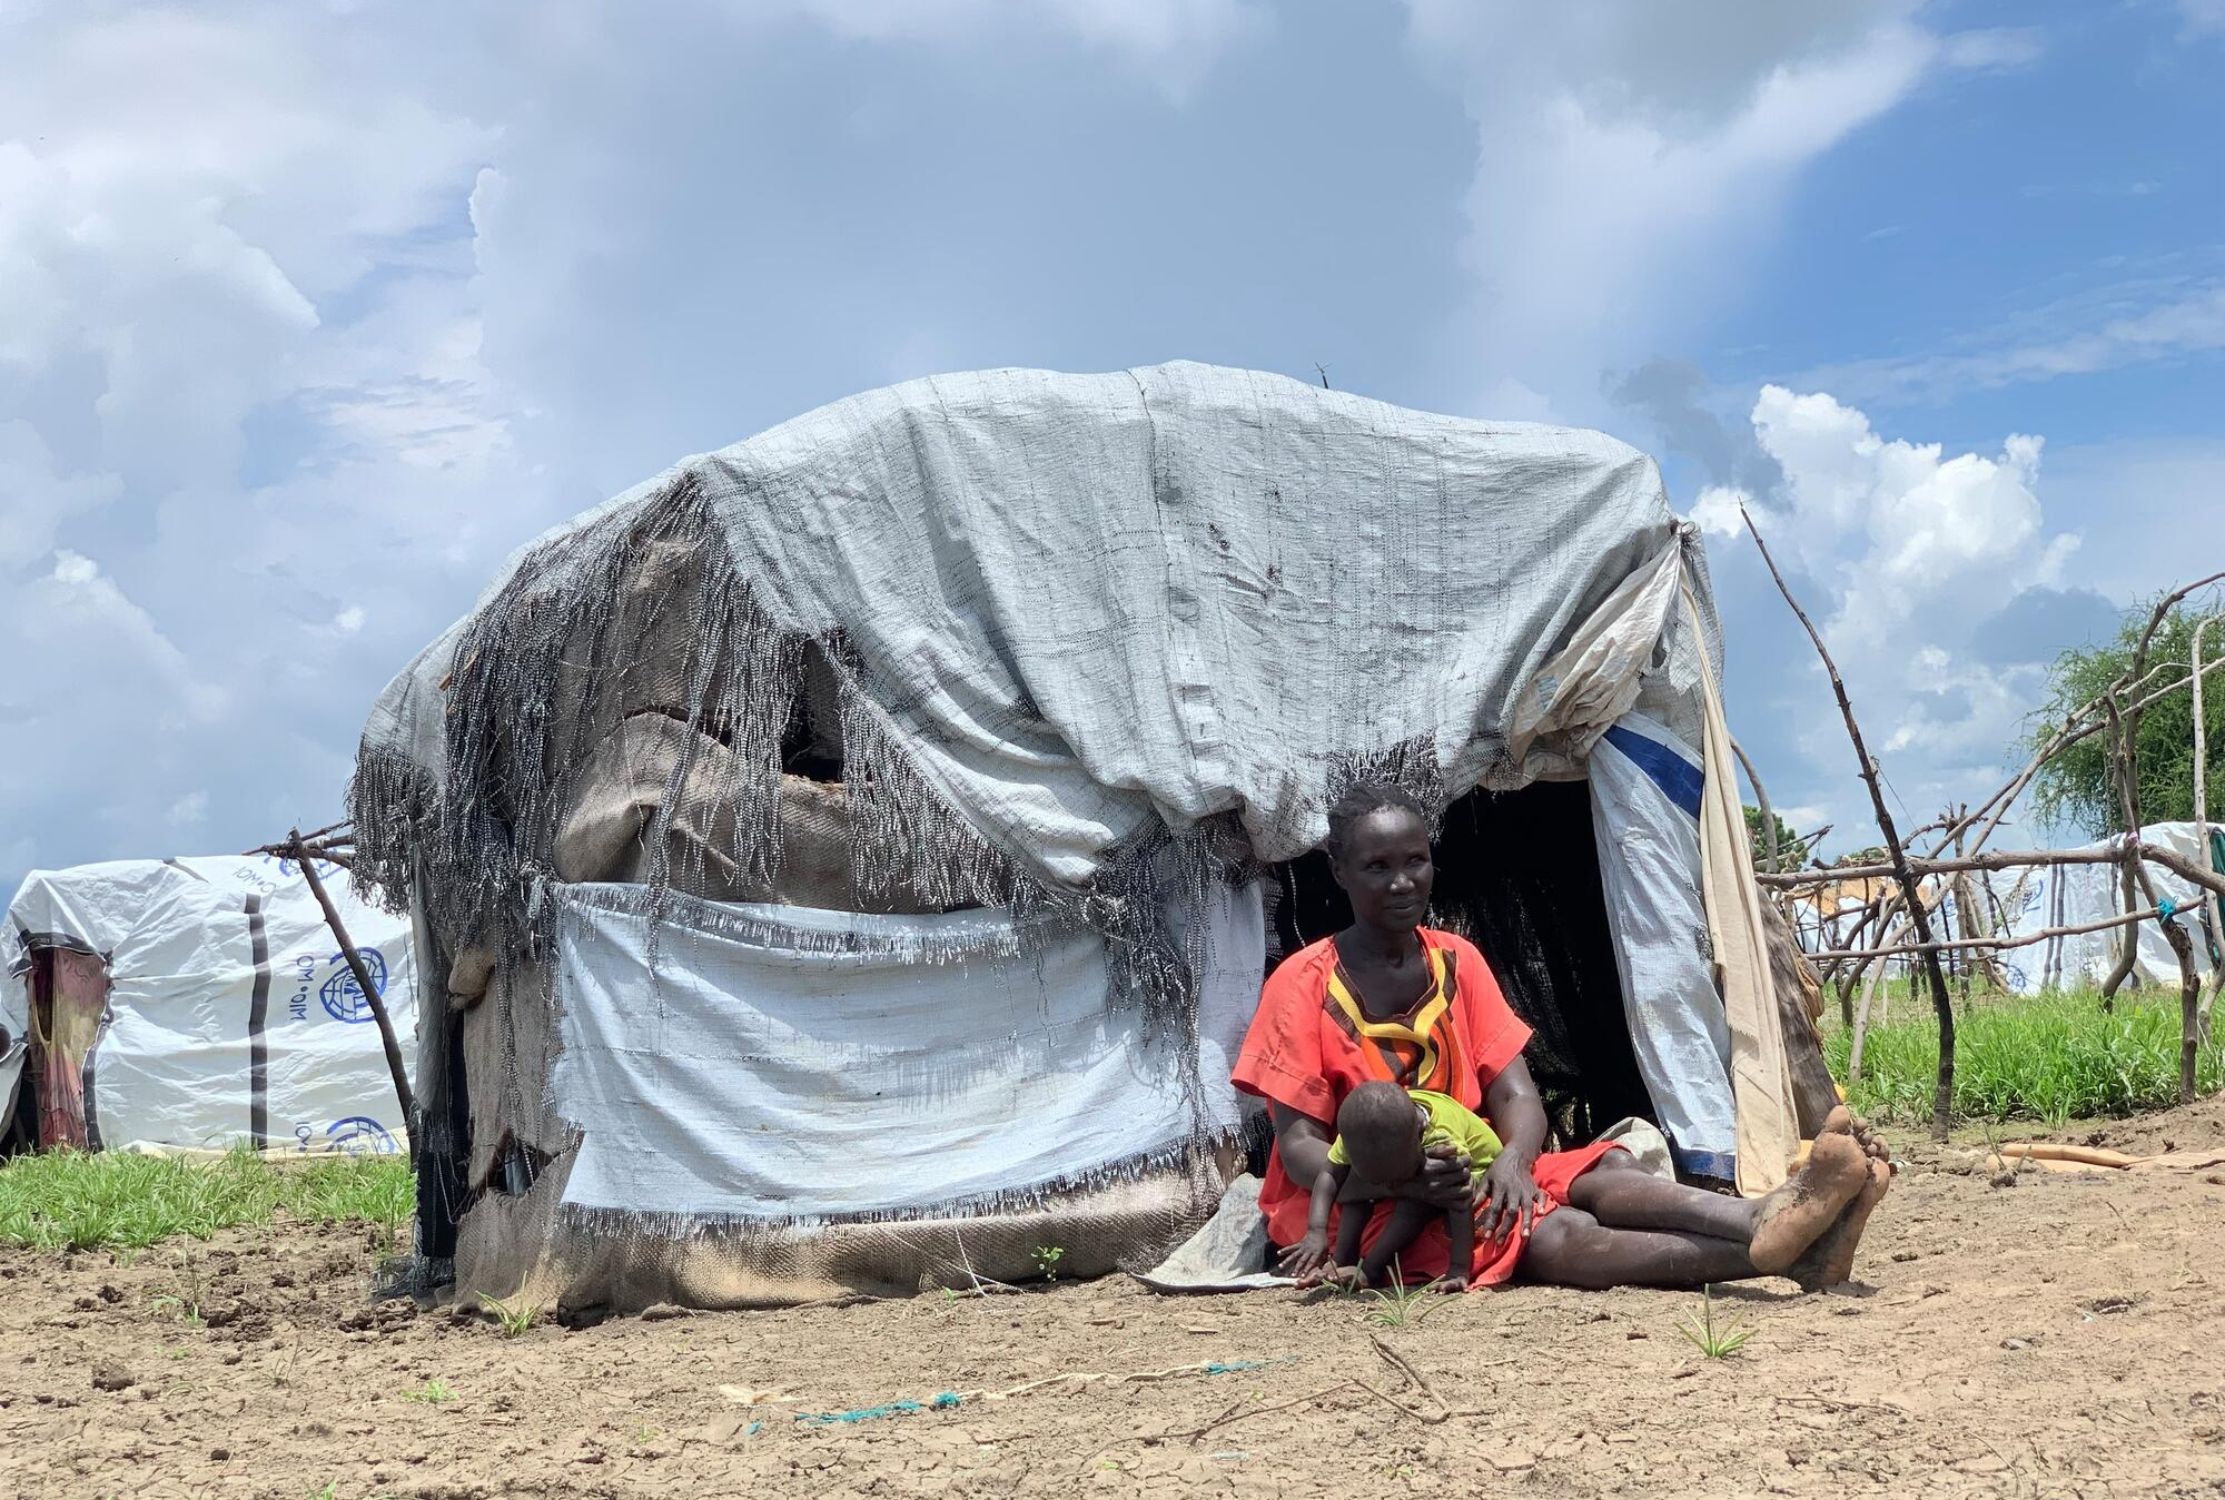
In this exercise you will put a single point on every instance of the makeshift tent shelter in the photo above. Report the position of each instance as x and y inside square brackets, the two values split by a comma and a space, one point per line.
[2043, 898]
[198, 1003]
[855, 853]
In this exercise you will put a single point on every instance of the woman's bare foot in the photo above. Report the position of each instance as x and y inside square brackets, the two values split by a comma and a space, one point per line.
[1844, 1121]
[1795, 1216]
[1830, 1260]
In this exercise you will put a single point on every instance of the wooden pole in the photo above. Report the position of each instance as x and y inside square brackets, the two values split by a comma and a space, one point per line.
[1997, 944]
[2125, 757]
[2201, 738]
[2128, 949]
[1761, 805]
[371, 994]
[2202, 819]
[1943, 1094]
[1881, 910]
[1878, 975]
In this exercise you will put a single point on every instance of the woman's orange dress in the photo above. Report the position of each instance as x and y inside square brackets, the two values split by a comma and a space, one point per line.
[1310, 1044]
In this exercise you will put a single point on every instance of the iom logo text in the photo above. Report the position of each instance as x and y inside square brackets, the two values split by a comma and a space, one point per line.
[359, 1135]
[341, 996]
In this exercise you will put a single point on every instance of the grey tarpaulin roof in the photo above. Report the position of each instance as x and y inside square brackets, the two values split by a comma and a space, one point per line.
[1082, 606]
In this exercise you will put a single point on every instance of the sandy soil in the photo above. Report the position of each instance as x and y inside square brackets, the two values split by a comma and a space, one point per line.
[2063, 1336]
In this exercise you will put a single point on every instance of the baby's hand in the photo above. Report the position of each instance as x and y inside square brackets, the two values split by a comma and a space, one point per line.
[1449, 1284]
[1306, 1259]
[1343, 1278]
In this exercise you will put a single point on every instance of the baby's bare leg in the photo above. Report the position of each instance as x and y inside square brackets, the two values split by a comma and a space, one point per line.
[1408, 1219]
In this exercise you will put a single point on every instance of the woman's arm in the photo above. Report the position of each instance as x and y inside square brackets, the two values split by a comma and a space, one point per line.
[1304, 1143]
[1509, 1194]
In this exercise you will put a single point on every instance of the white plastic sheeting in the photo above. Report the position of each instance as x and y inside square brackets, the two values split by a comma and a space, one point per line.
[231, 1015]
[791, 1064]
[14, 1014]
[1646, 784]
[2036, 900]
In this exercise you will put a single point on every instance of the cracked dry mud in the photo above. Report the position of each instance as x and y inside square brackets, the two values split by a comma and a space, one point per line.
[2062, 1336]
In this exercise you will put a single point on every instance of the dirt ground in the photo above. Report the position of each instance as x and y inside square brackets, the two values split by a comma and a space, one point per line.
[2062, 1336]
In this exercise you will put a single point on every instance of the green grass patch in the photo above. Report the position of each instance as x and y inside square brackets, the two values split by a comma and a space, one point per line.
[2051, 1057]
[73, 1201]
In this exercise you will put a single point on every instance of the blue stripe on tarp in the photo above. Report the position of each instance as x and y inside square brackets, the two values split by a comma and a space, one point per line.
[1722, 1165]
[1680, 781]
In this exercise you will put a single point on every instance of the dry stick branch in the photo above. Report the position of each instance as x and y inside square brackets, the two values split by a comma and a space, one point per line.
[1877, 910]
[1881, 910]
[1943, 1098]
[2087, 719]
[371, 996]
[1828, 932]
[339, 850]
[2181, 941]
[1997, 944]
[1879, 973]
[2110, 854]
[1412, 1376]
[1862, 1015]
[2082, 725]
[1761, 803]
[1418, 1415]
[2125, 732]
[1196, 1433]
[2131, 875]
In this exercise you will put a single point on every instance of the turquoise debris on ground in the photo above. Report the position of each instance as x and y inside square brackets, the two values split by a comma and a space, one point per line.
[905, 1407]
[948, 1399]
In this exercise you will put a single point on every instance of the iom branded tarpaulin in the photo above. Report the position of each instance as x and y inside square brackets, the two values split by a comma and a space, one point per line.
[803, 1065]
[200, 1003]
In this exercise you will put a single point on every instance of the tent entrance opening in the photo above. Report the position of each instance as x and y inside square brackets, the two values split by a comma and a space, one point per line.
[1518, 875]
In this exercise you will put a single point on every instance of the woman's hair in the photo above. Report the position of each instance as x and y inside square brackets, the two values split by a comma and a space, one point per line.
[1359, 800]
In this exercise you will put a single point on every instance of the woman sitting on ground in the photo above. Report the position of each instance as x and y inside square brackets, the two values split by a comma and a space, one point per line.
[1389, 1000]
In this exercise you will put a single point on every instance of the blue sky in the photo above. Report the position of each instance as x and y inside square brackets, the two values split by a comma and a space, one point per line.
[309, 313]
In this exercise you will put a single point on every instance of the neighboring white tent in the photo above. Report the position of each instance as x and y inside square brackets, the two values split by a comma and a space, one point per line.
[203, 1003]
[2052, 896]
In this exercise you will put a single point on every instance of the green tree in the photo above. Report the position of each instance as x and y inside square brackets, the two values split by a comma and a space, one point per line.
[1791, 853]
[2075, 789]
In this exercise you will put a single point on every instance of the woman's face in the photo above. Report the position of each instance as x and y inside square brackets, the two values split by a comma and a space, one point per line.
[1386, 869]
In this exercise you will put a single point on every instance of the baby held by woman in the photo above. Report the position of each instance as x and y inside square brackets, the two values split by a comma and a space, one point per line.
[1384, 1133]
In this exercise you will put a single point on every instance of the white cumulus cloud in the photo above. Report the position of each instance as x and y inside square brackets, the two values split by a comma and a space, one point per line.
[1906, 553]
[2203, 17]
[1631, 158]
[1184, 32]
[243, 419]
